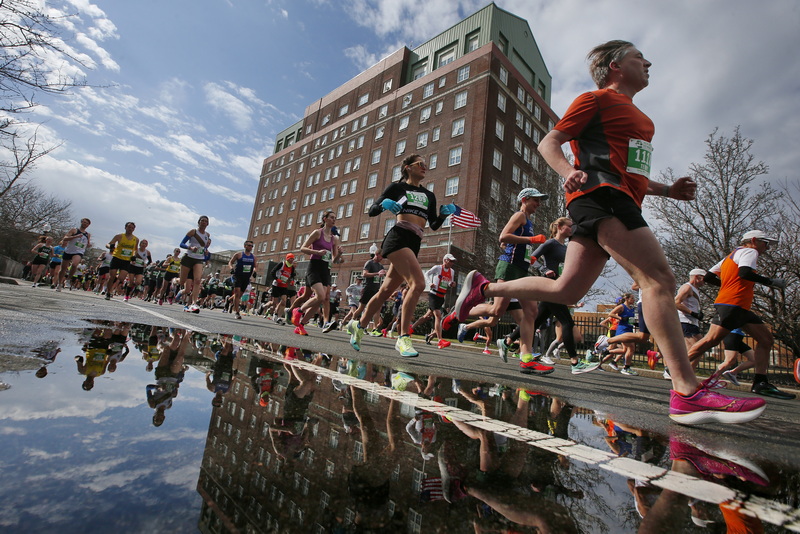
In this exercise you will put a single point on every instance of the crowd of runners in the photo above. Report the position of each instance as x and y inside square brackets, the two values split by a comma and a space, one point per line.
[605, 186]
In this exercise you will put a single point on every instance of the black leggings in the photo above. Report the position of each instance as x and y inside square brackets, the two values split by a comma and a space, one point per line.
[562, 315]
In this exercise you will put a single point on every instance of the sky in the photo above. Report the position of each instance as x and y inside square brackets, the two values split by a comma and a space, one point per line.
[186, 98]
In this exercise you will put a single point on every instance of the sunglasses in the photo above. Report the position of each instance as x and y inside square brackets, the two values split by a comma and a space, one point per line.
[420, 163]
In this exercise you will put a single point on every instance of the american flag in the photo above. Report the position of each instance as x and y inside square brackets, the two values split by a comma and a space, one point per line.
[465, 218]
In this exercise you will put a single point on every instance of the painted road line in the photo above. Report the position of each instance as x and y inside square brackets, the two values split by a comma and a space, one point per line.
[171, 320]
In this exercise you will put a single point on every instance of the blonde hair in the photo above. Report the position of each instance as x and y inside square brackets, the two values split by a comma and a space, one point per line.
[556, 224]
[601, 56]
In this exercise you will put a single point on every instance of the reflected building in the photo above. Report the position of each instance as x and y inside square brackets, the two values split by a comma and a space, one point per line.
[474, 101]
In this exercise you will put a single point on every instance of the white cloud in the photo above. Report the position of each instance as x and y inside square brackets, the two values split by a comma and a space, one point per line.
[125, 147]
[229, 104]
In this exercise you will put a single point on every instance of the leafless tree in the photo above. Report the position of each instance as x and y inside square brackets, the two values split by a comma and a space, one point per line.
[732, 198]
[24, 213]
[18, 158]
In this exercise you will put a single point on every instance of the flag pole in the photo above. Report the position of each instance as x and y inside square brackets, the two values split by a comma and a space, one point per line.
[450, 236]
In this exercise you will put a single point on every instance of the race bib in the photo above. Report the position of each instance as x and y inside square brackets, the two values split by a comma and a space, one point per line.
[639, 154]
[246, 268]
[528, 253]
[80, 244]
[327, 257]
[418, 200]
[126, 252]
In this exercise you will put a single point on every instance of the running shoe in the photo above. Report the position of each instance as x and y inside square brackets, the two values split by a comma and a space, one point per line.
[535, 368]
[297, 316]
[410, 330]
[280, 320]
[383, 333]
[629, 371]
[602, 343]
[667, 376]
[462, 333]
[476, 337]
[487, 351]
[126, 298]
[108, 296]
[332, 325]
[471, 295]
[400, 381]
[300, 329]
[652, 359]
[58, 289]
[768, 390]
[706, 406]
[731, 378]
[356, 333]
[614, 366]
[376, 333]
[428, 338]
[447, 322]
[160, 302]
[194, 308]
[443, 344]
[456, 386]
[589, 356]
[502, 349]
[547, 360]
[238, 315]
[35, 285]
[718, 464]
[584, 367]
[405, 348]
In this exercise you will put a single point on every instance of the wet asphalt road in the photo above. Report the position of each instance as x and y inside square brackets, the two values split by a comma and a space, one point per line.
[29, 317]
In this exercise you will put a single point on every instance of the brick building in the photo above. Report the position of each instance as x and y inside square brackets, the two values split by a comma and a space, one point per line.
[473, 101]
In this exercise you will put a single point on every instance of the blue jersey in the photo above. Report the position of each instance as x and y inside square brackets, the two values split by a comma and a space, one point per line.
[519, 254]
[245, 266]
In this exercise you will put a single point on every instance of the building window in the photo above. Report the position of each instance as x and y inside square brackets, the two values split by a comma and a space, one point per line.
[353, 185]
[368, 204]
[419, 70]
[503, 75]
[446, 56]
[289, 223]
[363, 99]
[472, 42]
[521, 94]
[499, 129]
[344, 109]
[442, 81]
[455, 156]
[387, 86]
[463, 73]
[495, 189]
[329, 467]
[403, 123]
[407, 99]
[372, 180]
[425, 114]
[461, 100]
[451, 186]
[349, 209]
[501, 101]
[435, 134]
[517, 146]
[515, 174]
[527, 127]
[433, 160]
[427, 90]
[376, 156]
[345, 233]
[273, 245]
[325, 120]
[364, 231]
[396, 174]
[537, 136]
[458, 127]
[333, 439]
[422, 140]
[497, 159]
[439, 106]
[519, 120]
[400, 147]
[390, 222]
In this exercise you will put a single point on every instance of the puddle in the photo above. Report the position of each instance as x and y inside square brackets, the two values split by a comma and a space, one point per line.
[162, 429]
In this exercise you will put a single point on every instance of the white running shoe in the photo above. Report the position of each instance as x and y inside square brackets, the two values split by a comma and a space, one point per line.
[602, 343]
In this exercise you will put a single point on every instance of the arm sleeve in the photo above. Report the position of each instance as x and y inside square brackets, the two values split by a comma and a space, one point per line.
[712, 279]
[434, 220]
[394, 192]
[184, 243]
[747, 273]
[542, 249]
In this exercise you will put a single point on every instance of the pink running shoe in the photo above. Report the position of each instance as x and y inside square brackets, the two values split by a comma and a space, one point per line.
[297, 316]
[535, 368]
[487, 351]
[714, 465]
[447, 322]
[707, 406]
[300, 331]
[471, 295]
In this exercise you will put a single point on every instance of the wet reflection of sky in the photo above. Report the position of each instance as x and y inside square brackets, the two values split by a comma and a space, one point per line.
[318, 455]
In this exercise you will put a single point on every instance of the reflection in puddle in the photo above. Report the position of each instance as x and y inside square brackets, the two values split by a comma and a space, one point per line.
[166, 429]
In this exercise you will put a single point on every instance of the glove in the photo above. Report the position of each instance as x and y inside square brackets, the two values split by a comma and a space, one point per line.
[779, 283]
[447, 209]
[537, 239]
[390, 205]
[697, 315]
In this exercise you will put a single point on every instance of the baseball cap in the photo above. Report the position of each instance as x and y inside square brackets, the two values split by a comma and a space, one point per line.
[531, 192]
[290, 256]
[449, 257]
[758, 234]
[697, 272]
